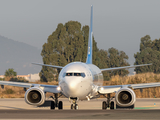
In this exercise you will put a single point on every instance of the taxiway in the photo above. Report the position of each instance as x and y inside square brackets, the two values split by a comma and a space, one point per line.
[16, 108]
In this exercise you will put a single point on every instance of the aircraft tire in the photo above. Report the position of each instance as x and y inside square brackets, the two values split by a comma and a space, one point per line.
[76, 106]
[112, 105]
[71, 106]
[60, 105]
[52, 105]
[104, 105]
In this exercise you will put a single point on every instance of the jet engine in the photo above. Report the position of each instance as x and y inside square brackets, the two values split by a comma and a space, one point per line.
[125, 97]
[35, 96]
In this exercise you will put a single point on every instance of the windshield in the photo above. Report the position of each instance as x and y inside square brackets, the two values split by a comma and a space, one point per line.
[69, 74]
[77, 74]
[74, 74]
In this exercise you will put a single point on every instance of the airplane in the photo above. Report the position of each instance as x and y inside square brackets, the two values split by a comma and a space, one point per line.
[82, 81]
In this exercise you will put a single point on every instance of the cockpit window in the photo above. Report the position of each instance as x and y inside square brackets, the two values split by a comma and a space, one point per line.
[69, 74]
[74, 74]
[83, 75]
[77, 74]
[64, 74]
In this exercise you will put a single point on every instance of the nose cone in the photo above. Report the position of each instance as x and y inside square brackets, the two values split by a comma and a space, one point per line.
[76, 87]
[73, 87]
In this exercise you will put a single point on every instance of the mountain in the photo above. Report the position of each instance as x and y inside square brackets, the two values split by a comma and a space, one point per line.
[19, 56]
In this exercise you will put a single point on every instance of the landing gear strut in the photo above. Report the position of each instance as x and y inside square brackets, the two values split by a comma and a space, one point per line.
[74, 105]
[108, 103]
[55, 103]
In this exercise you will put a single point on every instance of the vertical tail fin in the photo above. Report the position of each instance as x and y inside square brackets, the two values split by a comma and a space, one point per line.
[89, 53]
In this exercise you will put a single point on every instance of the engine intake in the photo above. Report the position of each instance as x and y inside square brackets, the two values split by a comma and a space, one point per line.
[125, 97]
[35, 96]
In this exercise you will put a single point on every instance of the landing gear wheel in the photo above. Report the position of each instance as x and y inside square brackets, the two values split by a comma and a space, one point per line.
[112, 105]
[104, 105]
[60, 105]
[76, 106]
[71, 106]
[52, 107]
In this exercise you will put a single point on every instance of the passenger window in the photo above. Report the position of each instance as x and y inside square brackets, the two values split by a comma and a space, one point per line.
[69, 74]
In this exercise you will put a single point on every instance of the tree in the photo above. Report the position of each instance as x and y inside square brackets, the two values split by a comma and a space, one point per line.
[69, 43]
[117, 59]
[149, 53]
[65, 45]
[10, 73]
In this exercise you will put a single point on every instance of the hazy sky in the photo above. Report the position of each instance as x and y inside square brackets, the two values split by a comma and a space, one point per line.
[116, 23]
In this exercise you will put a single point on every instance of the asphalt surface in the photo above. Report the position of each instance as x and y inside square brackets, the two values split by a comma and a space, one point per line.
[80, 114]
[18, 109]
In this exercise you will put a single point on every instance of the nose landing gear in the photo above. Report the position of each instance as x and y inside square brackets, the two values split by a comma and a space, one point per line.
[74, 105]
[55, 103]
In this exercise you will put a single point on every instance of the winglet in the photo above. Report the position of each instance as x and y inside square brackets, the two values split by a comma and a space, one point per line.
[89, 53]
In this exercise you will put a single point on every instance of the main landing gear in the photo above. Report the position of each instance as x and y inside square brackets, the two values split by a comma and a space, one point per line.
[74, 105]
[108, 103]
[55, 103]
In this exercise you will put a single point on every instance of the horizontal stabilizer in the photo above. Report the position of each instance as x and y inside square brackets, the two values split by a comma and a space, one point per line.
[125, 67]
[54, 66]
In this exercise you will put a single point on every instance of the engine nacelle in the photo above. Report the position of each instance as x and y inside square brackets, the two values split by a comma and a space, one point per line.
[125, 97]
[35, 96]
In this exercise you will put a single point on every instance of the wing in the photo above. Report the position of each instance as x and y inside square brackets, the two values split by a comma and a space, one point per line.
[54, 66]
[125, 67]
[114, 88]
[45, 88]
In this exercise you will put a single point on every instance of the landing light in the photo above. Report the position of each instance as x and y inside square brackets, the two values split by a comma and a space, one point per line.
[58, 88]
[101, 88]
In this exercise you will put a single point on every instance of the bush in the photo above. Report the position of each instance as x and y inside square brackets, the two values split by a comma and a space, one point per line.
[2, 79]
[9, 91]
[19, 79]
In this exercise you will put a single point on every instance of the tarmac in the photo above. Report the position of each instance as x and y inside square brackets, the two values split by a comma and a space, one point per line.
[16, 108]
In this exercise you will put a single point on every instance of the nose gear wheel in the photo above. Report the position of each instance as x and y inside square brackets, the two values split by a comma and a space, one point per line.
[74, 105]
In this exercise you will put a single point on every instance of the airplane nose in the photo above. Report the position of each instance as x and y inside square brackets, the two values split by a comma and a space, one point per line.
[76, 87]
[72, 85]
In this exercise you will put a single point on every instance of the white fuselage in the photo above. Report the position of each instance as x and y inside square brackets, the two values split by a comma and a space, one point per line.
[80, 80]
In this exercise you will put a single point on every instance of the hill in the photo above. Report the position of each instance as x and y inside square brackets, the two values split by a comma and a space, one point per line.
[19, 56]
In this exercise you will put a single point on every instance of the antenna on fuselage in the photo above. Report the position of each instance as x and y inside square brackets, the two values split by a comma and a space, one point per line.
[89, 53]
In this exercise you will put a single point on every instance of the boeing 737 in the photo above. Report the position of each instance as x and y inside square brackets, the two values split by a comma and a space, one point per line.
[82, 81]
